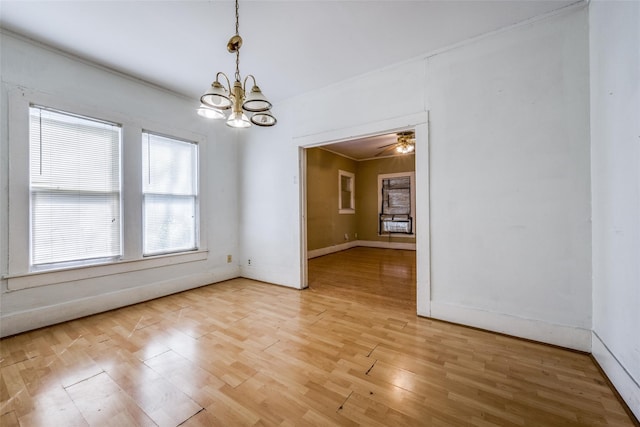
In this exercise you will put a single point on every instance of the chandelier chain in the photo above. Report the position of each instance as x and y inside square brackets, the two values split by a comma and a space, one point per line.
[238, 78]
[219, 98]
[237, 19]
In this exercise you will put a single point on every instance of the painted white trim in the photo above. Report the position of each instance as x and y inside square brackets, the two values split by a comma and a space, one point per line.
[262, 274]
[420, 122]
[302, 188]
[356, 132]
[331, 249]
[386, 245]
[27, 320]
[423, 213]
[52, 277]
[536, 330]
[624, 383]
[355, 243]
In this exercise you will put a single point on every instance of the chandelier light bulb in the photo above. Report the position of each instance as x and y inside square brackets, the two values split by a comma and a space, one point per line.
[238, 120]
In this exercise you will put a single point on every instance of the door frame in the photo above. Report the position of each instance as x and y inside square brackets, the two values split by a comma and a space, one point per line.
[420, 123]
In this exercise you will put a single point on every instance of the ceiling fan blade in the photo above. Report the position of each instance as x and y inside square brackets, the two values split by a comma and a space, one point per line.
[387, 149]
[388, 145]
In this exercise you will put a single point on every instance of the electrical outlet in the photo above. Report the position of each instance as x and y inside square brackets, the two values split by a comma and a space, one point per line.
[249, 262]
[346, 236]
[229, 258]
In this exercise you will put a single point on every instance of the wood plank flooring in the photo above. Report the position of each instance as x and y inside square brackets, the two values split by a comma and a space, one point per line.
[347, 351]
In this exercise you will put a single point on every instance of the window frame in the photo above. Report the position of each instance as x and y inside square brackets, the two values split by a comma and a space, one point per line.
[19, 275]
[33, 190]
[351, 209]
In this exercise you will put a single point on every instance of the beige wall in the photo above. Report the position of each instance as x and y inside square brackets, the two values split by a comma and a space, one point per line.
[325, 226]
[367, 195]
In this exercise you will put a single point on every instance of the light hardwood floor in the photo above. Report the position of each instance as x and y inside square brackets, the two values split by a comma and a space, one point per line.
[347, 351]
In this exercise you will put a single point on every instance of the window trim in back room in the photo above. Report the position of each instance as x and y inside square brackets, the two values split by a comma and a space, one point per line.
[346, 186]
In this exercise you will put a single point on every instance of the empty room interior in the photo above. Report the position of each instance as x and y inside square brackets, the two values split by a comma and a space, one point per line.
[399, 213]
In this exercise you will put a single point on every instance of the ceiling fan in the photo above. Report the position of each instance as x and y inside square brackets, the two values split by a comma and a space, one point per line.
[405, 144]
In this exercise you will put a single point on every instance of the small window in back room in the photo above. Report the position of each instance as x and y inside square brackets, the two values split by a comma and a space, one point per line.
[74, 178]
[346, 192]
[170, 194]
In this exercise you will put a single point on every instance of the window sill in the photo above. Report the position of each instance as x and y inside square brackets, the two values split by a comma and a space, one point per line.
[346, 211]
[51, 277]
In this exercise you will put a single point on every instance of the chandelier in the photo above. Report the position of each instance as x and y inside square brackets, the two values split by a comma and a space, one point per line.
[218, 98]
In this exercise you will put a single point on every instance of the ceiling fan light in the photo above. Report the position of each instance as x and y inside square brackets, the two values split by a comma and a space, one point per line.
[210, 113]
[256, 101]
[238, 120]
[264, 119]
[217, 97]
[405, 147]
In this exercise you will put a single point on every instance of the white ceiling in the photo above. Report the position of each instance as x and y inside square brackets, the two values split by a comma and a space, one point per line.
[291, 47]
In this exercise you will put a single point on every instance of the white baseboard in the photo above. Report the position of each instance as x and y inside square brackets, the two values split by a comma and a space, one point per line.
[354, 243]
[14, 323]
[386, 245]
[621, 379]
[269, 274]
[536, 330]
[331, 249]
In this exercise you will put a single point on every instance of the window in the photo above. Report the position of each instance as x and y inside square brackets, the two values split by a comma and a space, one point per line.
[170, 194]
[396, 203]
[77, 205]
[74, 182]
[346, 192]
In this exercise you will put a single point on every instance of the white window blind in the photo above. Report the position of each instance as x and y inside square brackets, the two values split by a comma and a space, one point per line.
[170, 190]
[74, 188]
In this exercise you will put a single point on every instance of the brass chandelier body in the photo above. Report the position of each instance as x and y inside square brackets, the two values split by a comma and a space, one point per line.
[218, 98]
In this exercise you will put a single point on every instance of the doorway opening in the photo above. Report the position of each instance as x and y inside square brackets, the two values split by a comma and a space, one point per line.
[359, 204]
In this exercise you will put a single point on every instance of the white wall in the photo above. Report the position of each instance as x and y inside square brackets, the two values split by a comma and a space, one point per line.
[270, 204]
[31, 70]
[614, 32]
[509, 159]
[510, 229]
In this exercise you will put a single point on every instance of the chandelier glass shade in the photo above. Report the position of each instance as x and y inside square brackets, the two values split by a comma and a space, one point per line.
[210, 113]
[219, 98]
